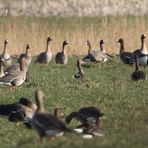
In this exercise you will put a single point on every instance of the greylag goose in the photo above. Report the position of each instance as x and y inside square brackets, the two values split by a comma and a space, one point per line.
[45, 123]
[125, 57]
[19, 111]
[80, 75]
[62, 57]
[46, 56]
[26, 55]
[142, 52]
[15, 78]
[86, 115]
[138, 74]
[5, 56]
[94, 55]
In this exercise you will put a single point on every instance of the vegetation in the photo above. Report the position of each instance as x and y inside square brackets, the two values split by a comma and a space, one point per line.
[21, 30]
[107, 86]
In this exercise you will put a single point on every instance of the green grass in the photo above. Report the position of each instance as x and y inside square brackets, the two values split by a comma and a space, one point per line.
[107, 86]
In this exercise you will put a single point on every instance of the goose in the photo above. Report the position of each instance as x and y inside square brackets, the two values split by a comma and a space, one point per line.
[26, 55]
[125, 57]
[5, 56]
[143, 48]
[1, 68]
[142, 52]
[45, 123]
[138, 74]
[80, 75]
[15, 78]
[46, 56]
[11, 111]
[86, 115]
[62, 57]
[103, 51]
[94, 55]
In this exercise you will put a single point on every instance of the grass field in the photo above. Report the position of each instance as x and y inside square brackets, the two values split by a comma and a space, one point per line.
[21, 30]
[107, 86]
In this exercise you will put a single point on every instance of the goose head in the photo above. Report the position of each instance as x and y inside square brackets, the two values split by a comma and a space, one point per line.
[28, 46]
[143, 36]
[102, 42]
[65, 43]
[5, 42]
[49, 39]
[120, 41]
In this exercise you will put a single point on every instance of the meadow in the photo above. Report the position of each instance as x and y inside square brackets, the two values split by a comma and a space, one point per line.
[107, 86]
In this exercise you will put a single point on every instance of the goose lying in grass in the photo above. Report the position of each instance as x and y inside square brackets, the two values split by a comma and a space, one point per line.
[95, 55]
[46, 56]
[138, 74]
[17, 111]
[125, 57]
[5, 56]
[45, 123]
[62, 57]
[15, 78]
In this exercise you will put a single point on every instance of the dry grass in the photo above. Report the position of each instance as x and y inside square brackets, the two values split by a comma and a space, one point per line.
[20, 31]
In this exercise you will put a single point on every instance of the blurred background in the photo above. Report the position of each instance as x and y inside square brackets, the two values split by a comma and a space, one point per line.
[31, 21]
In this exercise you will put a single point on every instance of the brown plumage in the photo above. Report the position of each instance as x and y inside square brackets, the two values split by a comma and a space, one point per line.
[45, 123]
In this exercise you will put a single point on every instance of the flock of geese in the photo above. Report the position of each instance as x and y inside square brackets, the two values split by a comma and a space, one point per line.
[51, 124]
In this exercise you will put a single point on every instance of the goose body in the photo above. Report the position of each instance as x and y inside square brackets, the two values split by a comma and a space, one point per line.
[80, 75]
[5, 56]
[125, 57]
[46, 56]
[142, 53]
[15, 78]
[45, 123]
[62, 57]
[25, 55]
[86, 115]
[138, 74]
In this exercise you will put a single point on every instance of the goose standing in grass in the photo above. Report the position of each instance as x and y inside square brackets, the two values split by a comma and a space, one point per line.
[142, 53]
[26, 55]
[86, 116]
[80, 75]
[138, 74]
[46, 56]
[45, 123]
[15, 78]
[125, 57]
[5, 56]
[62, 57]
[94, 55]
